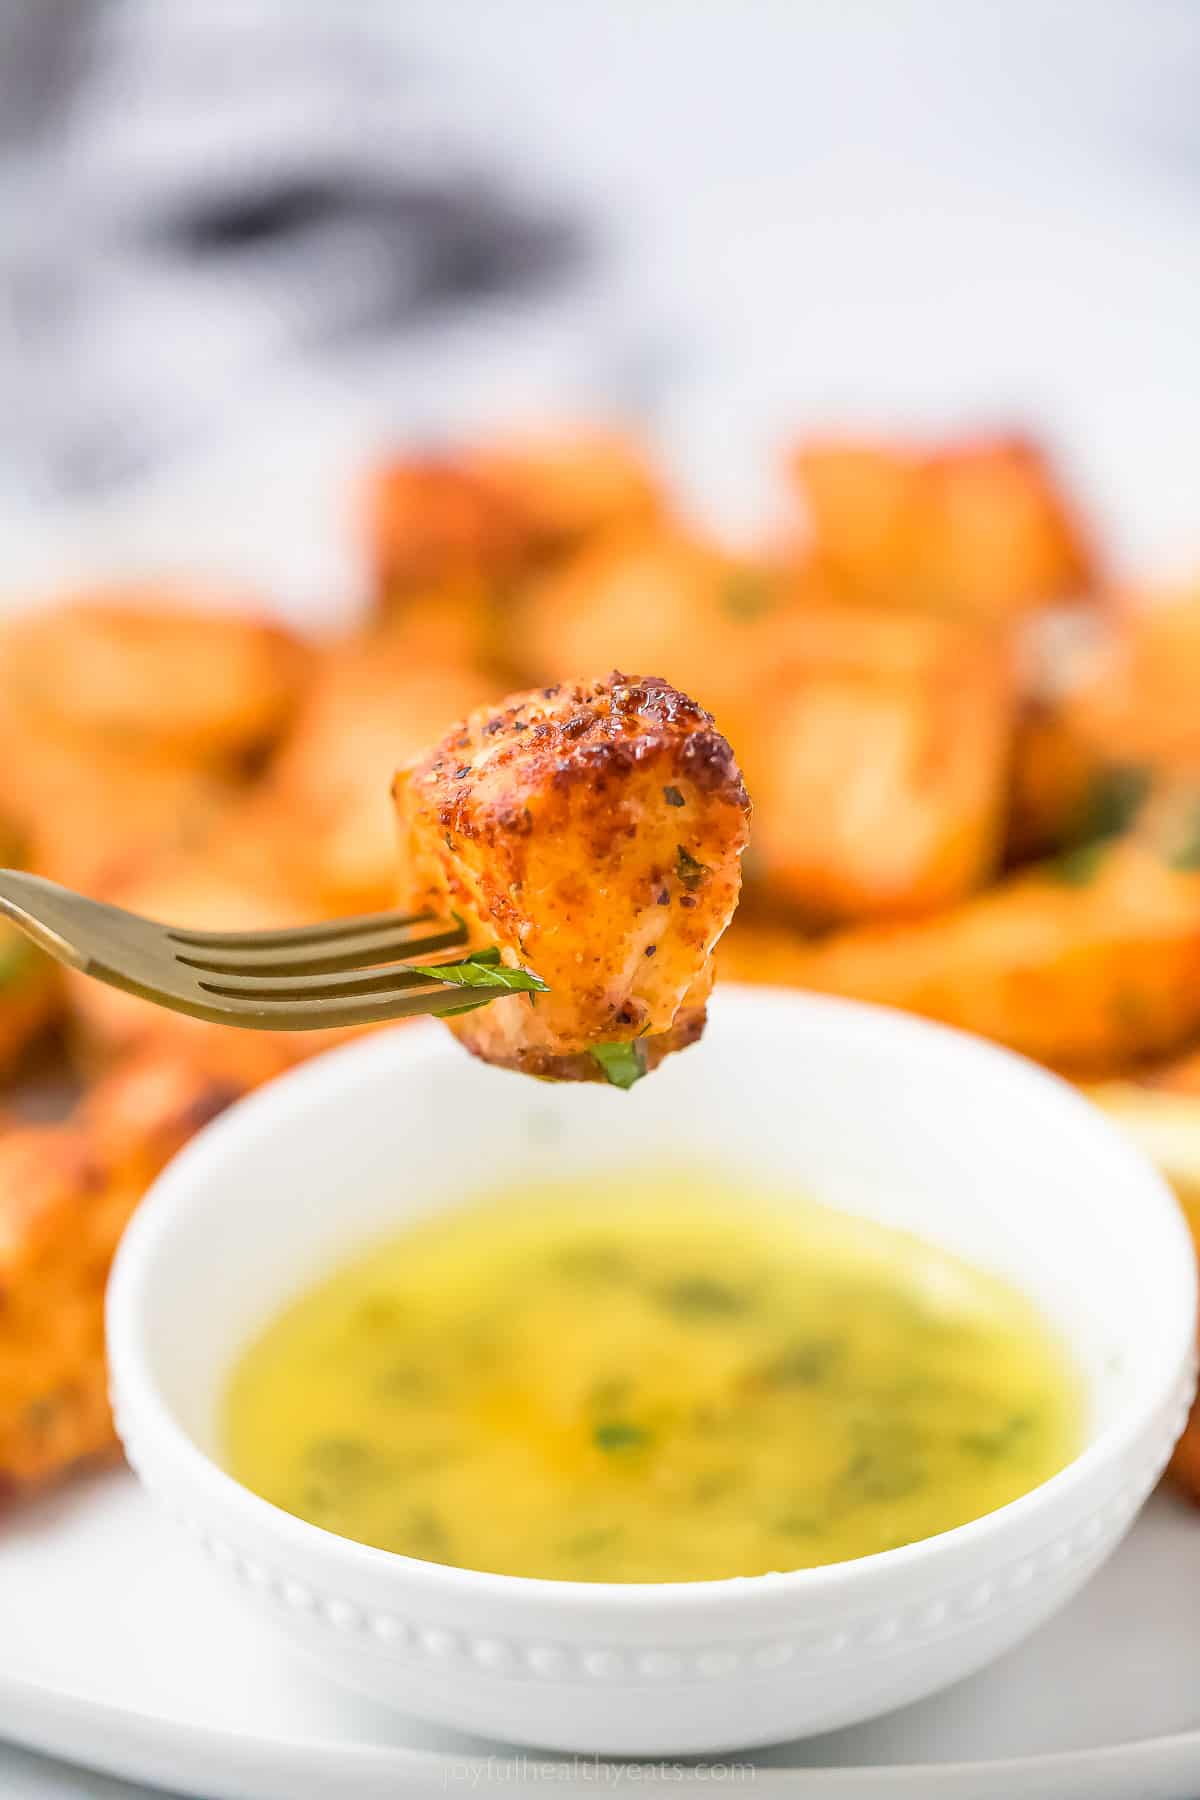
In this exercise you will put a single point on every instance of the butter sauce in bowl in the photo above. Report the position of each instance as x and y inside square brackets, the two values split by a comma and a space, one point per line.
[822, 1383]
[651, 1377]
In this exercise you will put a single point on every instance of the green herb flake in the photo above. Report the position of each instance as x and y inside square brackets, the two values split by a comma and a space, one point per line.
[1078, 867]
[673, 797]
[591, 1543]
[713, 1484]
[407, 1382]
[1005, 1440]
[702, 1297]
[339, 1463]
[41, 1412]
[1113, 801]
[619, 1434]
[689, 871]
[422, 1534]
[874, 1475]
[622, 1064]
[746, 594]
[614, 1391]
[483, 969]
[804, 1364]
[592, 1262]
[800, 1525]
[18, 958]
[887, 1462]
[1184, 853]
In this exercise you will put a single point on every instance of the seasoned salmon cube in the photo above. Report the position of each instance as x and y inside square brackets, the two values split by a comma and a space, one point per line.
[590, 832]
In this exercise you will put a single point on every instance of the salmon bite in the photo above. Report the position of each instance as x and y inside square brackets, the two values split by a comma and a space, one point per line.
[592, 833]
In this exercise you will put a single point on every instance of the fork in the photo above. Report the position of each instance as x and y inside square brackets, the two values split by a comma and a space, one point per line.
[341, 972]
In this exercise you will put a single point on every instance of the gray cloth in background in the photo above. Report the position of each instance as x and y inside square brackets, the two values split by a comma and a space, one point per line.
[197, 195]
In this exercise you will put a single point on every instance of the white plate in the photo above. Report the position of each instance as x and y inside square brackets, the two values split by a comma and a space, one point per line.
[119, 1650]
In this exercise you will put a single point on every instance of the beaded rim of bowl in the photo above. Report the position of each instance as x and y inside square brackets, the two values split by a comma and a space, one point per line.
[889, 1632]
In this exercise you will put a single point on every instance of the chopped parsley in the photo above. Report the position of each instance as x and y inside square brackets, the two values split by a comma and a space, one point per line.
[689, 871]
[18, 958]
[483, 969]
[874, 1474]
[618, 1434]
[1184, 853]
[803, 1364]
[1077, 867]
[1005, 1440]
[672, 796]
[592, 1262]
[1113, 801]
[589, 1543]
[702, 1297]
[341, 1458]
[746, 594]
[622, 1064]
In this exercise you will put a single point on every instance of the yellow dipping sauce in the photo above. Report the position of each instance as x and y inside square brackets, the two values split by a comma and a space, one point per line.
[649, 1380]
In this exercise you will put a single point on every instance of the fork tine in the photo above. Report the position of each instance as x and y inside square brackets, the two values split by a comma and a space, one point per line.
[347, 952]
[338, 970]
[268, 988]
[298, 935]
[336, 1009]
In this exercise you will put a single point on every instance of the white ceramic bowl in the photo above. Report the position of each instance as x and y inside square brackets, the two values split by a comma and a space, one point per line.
[869, 1111]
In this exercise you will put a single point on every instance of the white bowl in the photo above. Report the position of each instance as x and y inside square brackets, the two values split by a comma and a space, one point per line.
[866, 1110]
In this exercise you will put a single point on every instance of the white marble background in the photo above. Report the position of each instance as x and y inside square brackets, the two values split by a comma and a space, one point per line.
[909, 214]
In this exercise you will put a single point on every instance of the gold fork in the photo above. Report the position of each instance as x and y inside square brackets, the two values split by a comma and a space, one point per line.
[342, 972]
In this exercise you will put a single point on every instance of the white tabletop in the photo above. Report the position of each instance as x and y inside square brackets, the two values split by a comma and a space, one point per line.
[24, 1776]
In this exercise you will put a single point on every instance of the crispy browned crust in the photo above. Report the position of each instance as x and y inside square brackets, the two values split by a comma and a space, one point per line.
[877, 750]
[323, 819]
[129, 726]
[1121, 706]
[453, 524]
[565, 490]
[1090, 964]
[976, 527]
[154, 673]
[66, 1194]
[1185, 1462]
[93, 813]
[875, 741]
[580, 1065]
[1121, 721]
[593, 831]
[147, 1107]
[654, 596]
[432, 520]
[581, 735]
